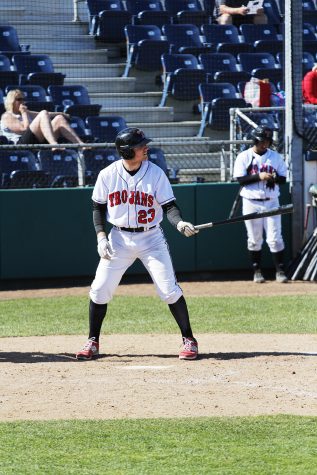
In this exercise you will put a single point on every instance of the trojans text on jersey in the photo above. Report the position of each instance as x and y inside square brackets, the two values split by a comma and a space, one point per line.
[131, 197]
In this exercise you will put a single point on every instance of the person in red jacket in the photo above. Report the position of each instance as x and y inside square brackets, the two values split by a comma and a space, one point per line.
[309, 86]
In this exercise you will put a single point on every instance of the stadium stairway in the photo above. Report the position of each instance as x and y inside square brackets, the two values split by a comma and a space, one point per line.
[99, 67]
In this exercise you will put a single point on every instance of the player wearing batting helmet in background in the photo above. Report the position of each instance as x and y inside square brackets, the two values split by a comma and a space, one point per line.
[260, 170]
[132, 194]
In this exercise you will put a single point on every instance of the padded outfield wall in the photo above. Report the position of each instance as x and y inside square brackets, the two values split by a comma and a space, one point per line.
[49, 233]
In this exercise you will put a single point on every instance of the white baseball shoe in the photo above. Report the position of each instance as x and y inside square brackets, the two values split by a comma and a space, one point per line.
[258, 277]
[281, 277]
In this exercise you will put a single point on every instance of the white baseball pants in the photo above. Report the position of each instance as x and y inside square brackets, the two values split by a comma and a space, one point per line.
[152, 249]
[271, 225]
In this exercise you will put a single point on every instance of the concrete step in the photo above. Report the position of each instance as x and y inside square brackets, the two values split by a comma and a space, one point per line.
[74, 42]
[148, 114]
[168, 129]
[182, 146]
[135, 99]
[10, 13]
[194, 160]
[42, 9]
[101, 85]
[63, 29]
[93, 56]
[91, 70]
[198, 175]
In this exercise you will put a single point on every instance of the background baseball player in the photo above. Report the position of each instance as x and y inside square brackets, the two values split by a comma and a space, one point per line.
[132, 194]
[260, 170]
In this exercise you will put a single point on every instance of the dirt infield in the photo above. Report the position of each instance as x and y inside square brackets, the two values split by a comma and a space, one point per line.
[140, 376]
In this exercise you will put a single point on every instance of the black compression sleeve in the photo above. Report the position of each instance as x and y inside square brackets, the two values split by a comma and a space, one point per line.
[99, 216]
[247, 179]
[173, 213]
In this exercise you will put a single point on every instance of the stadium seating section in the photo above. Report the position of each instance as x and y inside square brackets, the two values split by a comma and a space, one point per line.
[178, 41]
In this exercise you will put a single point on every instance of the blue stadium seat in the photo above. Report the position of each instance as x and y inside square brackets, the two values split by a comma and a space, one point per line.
[261, 66]
[145, 47]
[272, 12]
[105, 128]
[225, 38]
[209, 92]
[156, 155]
[28, 179]
[152, 17]
[309, 38]
[5, 64]
[309, 5]
[78, 125]
[97, 159]
[96, 6]
[9, 42]
[254, 33]
[171, 62]
[35, 97]
[218, 34]
[184, 85]
[137, 6]
[7, 76]
[2, 108]
[62, 167]
[308, 61]
[111, 26]
[222, 67]
[263, 37]
[197, 18]
[175, 6]
[37, 69]
[251, 61]
[12, 160]
[73, 100]
[219, 118]
[184, 38]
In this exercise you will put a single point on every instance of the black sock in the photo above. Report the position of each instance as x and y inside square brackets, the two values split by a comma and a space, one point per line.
[180, 313]
[255, 259]
[97, 313]
[278, 259]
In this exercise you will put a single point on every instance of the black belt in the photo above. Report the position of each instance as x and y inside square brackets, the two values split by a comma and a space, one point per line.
[134, 230]
[260, 199]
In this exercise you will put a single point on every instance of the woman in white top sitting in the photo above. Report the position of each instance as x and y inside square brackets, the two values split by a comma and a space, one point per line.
[23, 126]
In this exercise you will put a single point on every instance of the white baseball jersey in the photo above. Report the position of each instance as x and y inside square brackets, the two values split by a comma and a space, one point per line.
[133, 201]
[269, 162]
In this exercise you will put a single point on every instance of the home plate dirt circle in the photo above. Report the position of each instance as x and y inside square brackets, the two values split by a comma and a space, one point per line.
[140, 376]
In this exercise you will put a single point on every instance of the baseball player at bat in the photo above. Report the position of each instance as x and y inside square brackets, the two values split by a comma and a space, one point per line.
[132, 194]
[260, 170]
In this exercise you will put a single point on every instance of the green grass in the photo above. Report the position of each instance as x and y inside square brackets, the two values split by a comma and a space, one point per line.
[69, 315]
[247, 446]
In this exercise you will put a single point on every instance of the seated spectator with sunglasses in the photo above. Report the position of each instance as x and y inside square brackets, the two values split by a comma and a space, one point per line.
[22, 126]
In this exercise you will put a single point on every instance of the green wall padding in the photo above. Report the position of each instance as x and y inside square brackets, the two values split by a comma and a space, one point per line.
[49, 233]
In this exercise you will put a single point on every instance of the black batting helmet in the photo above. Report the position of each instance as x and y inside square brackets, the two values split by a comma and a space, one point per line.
[128, 139]
[262, 133]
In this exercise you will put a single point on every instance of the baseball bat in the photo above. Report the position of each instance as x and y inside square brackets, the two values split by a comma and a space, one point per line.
[259, 214]
[308, 207]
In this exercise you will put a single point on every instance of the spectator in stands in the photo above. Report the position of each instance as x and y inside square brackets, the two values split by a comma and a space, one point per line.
[22, 126]
[309, 86]
[234, 12]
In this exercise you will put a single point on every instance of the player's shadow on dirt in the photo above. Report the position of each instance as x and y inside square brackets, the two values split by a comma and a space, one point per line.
[252, 354]
[39, 357]
[35, 357]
